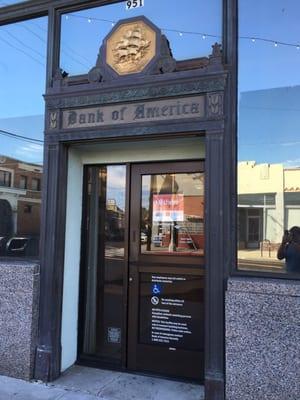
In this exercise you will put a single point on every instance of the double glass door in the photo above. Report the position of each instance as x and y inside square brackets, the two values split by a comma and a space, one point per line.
[142, 275]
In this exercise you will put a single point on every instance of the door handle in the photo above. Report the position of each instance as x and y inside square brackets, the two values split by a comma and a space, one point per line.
[130, 279]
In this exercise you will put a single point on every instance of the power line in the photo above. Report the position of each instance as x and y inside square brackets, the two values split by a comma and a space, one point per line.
[63, 51]
[20, 137]
[22, 51]
[24, 44]
[65, 45]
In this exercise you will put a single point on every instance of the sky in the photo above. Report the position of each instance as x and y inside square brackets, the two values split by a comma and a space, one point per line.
[269, 79]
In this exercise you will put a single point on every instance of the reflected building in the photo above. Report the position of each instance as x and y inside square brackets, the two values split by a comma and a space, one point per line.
[268, 203]
[20, 201]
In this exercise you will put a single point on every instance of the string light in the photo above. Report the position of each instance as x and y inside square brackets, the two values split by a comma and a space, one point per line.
[203, 34]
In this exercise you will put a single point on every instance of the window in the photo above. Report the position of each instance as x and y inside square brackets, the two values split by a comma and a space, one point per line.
[36, 184]
[27, 209]
[22, 82]
[5, 178]
[9, 2]
[23, 182]
[191, 27]
[268, 135]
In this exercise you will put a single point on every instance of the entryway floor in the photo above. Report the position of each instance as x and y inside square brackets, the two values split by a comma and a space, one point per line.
[82, 383]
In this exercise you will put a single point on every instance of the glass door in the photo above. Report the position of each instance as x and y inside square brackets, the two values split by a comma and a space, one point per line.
[104, 267]
[142, 280]
[166, 270]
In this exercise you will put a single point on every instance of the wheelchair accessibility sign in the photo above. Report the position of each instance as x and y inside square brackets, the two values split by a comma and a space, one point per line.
[156, 289]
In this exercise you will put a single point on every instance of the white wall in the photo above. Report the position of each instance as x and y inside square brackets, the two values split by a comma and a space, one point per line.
[72, 258]
[118, 152]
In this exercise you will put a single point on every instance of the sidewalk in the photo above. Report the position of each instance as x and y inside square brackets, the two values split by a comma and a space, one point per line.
[81, 383]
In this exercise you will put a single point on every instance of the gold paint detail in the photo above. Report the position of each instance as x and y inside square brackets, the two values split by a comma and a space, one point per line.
[131, 47]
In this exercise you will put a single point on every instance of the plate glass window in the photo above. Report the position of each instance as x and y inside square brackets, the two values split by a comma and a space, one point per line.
[191, 27]
[268, 137]
[22, 82]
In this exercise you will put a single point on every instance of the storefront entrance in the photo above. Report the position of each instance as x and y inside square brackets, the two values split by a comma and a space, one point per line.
[142, 268]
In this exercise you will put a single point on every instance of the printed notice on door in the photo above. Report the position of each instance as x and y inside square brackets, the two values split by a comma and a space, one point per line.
[168, 207]
[171, 310]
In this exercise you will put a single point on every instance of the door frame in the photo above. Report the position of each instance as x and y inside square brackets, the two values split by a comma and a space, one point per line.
[156, 263]
[88, 360]
[180, 166]
[252, 244]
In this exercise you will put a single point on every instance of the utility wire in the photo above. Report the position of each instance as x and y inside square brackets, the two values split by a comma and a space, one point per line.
[63, 51]
[20, 137]
[24, 44]
[22, 51]
[73, 51]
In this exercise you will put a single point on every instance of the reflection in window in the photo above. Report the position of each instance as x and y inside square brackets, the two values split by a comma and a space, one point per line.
[9, 2]
[191, 27]
[105, 262]
[36, 184]
[22, 82]
[23, 182]
[172, 214]
[5, 178]
[268, 133]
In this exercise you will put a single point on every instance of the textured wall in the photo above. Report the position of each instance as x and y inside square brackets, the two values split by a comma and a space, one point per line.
[19, 295]
[262, 339]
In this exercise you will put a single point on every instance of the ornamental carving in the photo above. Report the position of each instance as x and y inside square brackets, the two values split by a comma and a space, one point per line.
[131, 47]
[215, 105]
[53, 120]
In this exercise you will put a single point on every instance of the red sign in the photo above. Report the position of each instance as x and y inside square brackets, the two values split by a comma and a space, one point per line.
[168, 207]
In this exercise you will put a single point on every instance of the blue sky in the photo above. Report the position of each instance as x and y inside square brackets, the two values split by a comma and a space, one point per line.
[269, 79]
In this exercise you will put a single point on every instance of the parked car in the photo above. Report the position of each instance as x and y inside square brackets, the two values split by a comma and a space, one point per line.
[19, 246]
[143, 238]
[3, 241]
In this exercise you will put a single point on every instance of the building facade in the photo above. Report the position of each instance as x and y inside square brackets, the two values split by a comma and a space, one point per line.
[20, 199]
[158, 245]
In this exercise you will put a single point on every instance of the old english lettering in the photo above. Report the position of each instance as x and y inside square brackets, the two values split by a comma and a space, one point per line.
[184, 108]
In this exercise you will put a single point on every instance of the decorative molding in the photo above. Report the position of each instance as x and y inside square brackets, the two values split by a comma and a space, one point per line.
[134, 93]
[215, 105]
[135, 47]
[53, 120]
[132, 131]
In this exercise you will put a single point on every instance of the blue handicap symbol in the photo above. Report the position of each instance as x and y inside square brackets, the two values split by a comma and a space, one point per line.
[156, 289]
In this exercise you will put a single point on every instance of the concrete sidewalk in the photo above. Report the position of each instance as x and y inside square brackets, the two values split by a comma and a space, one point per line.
[81, 383]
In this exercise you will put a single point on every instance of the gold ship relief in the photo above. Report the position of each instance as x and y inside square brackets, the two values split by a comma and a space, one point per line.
[131, 48]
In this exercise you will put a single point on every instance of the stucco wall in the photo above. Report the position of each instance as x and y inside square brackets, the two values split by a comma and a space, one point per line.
[262, 339]
[19, 297]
